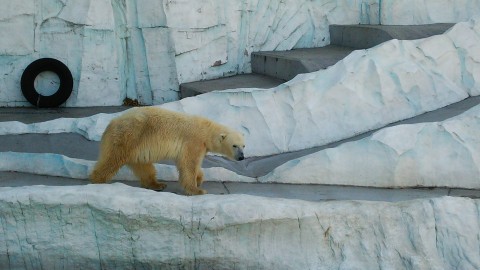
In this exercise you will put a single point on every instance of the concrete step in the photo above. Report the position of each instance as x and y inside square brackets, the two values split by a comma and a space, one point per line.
[271, 68]
[367, 36]
[286, 65]
[239, 81]
[344, 39]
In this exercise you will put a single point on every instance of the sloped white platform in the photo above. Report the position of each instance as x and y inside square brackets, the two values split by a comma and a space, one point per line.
[439, 154]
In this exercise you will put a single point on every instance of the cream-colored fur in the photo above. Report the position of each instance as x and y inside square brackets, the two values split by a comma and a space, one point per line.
[145, 135]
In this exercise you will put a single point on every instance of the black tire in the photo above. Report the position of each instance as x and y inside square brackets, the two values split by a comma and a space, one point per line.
[39, 66]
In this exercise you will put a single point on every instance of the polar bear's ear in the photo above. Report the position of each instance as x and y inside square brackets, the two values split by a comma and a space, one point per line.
[222, 137]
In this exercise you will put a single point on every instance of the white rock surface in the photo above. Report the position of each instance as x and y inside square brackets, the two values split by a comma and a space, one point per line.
[366, 90]
[117, 226]
[144, 49]
[440, 154]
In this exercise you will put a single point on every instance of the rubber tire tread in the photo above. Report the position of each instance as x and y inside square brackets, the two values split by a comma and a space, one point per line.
[42, 65]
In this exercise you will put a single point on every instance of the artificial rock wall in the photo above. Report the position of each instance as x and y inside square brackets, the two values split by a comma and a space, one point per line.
[120, 227]
[143, 49]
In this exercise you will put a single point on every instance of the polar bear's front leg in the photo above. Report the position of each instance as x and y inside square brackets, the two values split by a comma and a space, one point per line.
[188, 180]
[188, 166]
[199, 177]
[147, 175]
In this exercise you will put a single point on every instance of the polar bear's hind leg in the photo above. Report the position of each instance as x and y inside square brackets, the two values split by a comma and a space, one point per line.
[147, 175]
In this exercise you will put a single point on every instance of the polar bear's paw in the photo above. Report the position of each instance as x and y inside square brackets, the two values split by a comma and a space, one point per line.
[195, 191]
[157, 186]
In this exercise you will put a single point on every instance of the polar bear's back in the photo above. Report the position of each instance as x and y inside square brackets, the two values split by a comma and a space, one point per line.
[151, 134]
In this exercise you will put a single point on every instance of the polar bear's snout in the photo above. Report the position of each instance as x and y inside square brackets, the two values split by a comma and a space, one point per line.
[239, 154]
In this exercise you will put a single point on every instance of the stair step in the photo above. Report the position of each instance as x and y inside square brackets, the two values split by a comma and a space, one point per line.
[271, 68]
[238, 81]
[367, 36]
[286, 65]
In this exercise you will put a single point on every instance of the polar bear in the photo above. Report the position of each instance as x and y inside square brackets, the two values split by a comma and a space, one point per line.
[145, 135]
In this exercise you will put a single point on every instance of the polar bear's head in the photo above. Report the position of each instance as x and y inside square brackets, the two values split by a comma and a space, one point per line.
[232, 144]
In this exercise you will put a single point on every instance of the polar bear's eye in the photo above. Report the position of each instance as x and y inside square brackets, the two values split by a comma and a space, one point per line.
[235, 146]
